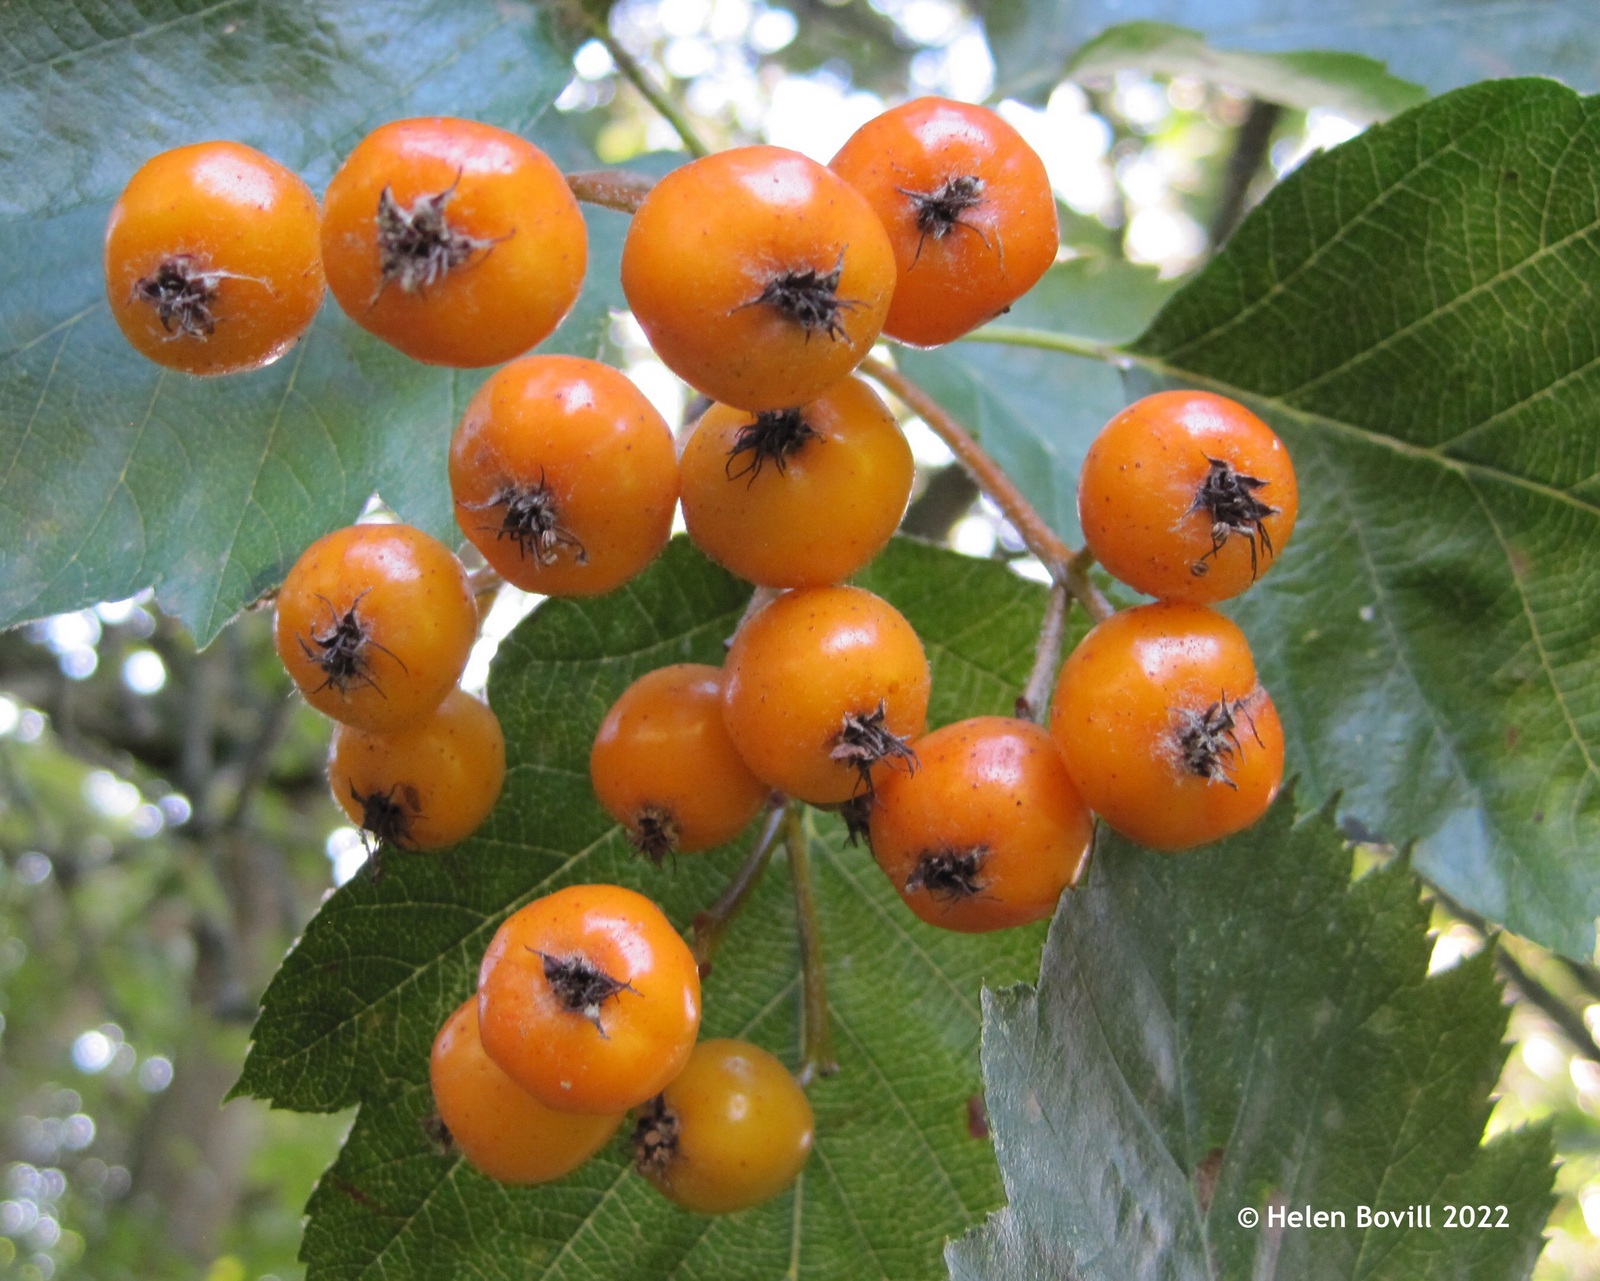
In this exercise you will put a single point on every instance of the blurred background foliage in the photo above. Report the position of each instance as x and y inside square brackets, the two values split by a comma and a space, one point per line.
[164, 823]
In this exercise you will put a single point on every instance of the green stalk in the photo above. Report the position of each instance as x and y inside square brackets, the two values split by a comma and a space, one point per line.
[816, 1037]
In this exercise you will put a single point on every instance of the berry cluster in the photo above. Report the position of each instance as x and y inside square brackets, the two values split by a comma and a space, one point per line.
[375, 623]
[588, 1005]
[763, 279]
[1160, 719]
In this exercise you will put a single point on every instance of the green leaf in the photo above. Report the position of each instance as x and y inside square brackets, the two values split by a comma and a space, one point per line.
[1036, 412]
[116, 475]
[352, 1013]
[1241, 1029]
[1440, 44]
[1356, 87]
[1414, 313]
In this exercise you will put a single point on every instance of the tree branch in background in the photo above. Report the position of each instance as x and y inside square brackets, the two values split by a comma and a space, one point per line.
[1251, 146]
[1585, 976]
[1544, 999]
[949, 494]
[1568, 1020]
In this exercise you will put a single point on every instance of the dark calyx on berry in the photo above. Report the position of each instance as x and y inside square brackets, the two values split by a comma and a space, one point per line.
[532, 521]
[581, 987]
[385, 819]
[182, 294]
[655, 1136]
[438, 1133]
[939, 211]
[654, 832]
[865, 740]
[857, 816]
[1208, 741]
[341, 651]
[1229, 498]
[810, 298]
[775, 436]
[949, 874]
[418, 247]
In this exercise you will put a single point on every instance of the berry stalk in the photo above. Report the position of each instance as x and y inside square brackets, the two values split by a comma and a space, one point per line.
[816, 1037]
[1046, 656]
[1040, 539]
[1065, 566]
[711, 925]
[641, 80]
[610, 188]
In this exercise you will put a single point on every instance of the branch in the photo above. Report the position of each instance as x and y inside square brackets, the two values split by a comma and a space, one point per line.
[1251, 145]
[932, 515]
[257, 764]
[1538, 994]
[1542, 998]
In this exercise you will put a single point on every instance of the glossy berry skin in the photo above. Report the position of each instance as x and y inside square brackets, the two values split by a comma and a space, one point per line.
[801, 497]
[1164, 727]
[760, 277]
[564, 476]
[987, 831]
[375, 623]
[1186, 495]
[815, 681]
[427, 785]
[502, 1130]
[213, 259]
[664, 767]
[969, 211]
[589, 999]
[454, 241]
[731, 1131]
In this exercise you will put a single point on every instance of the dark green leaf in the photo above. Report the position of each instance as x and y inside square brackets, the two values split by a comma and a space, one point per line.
[115, 475]
[1440, 44]
[1035, 411]
[352, 1013]
[1356, 87]
[1241, 1029]
[89, 93]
